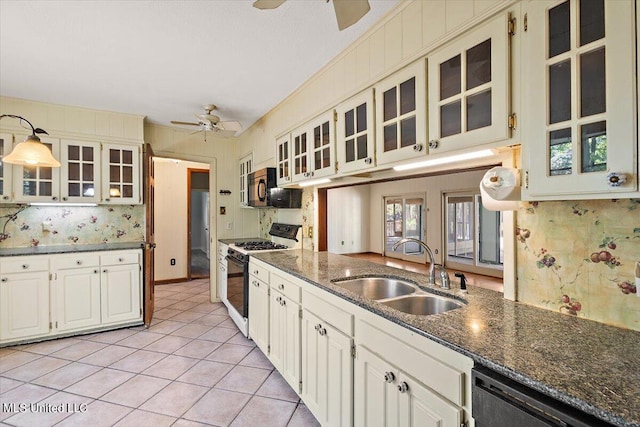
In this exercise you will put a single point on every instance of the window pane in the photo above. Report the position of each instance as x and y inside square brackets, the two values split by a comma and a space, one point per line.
[326, 157]
[560, 154]
[450, 117]
[390, 137]
[560, 92]
[88, 190]
[408, 132]
[74, 152]
[74, 172]
[74, 189]
[127, 191]
[490, 250]
[362, 147]
[317, 160]
[479, 65]
[348, 123]
[350, 152]
[390, 104]
[87, 172]
[408, 96]
[29, 172]
[303, 143]
[361, 114]
[87, 154]
[29, 188]
[450, 80]
[127, 174]
[559, 29]
[325, 133]
[45, 173]
[593, 94]
[479, 110]
[591, 21]
[594, 147]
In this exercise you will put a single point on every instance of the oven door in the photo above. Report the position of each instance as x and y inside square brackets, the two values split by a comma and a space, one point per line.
[238, 286]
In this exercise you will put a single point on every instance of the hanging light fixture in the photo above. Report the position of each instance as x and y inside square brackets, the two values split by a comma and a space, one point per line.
[30, 152]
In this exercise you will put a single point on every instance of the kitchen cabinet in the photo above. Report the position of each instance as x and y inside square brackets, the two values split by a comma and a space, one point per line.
[121, 174]
[259, 318]
[283, 157]
[38, 183]
[6, 170]
[77, 291]
[80, 172]
[120, 284]
[579, 80]
[469, 88]
[246, 167]
[401, 115]
[327, 365]
[355, 141]
[222, 270]
[24, 298]
[313, 148]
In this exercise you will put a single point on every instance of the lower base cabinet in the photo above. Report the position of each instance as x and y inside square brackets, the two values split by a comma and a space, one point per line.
[24, 305]
[77, 299]
[284, 333]
[259, 313]
[120, 293]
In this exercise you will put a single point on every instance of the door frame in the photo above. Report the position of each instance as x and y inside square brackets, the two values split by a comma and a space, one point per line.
[149, 245]
[402, 255]
[190, 171]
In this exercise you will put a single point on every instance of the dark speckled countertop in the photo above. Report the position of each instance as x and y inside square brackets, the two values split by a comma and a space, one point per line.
[586, 364]
[63, 249]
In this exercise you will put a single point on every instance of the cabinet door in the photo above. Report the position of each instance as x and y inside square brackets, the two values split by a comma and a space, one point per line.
[322, 160]
[259, 313]
[421, 407]
[246, 167]
[80, 180]
[6, 170]
[300, 140]
[469, 89]
[355, 142]
[222, 280]
[580, 97]
[376, 398]
[283, 155]
[38, 183]
[120, 293]
[121, 174]
[401, 115]
[285, 338]
[24, 305]
[327, 372]
[77, 298]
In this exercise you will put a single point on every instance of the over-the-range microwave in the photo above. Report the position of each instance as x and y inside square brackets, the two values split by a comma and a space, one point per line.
[263, 192]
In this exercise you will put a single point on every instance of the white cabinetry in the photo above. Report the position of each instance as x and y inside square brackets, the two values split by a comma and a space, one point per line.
[469, 88]
[246, 167]
[401, 115]
[120, 284]
[283, 156]
[38, 183]
[80, 172]
[580, 100]
[259, 312]
[313, 148]
[6, 170]
[222, 271]
[24, 298]
[355, 141]
[121, 174]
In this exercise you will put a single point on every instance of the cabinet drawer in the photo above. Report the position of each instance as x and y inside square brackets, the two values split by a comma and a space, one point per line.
[117, 258]
[75, 261]
[328, 312]
[24, 264]
[446, 380]
[254, 281]
[259, 271]
[284, 286]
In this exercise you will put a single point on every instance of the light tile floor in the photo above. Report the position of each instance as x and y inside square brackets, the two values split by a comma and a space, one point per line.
[192, 367]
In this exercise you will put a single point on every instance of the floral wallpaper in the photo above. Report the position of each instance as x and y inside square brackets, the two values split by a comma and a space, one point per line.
[579, 258]
[22, 225]
[269, 216]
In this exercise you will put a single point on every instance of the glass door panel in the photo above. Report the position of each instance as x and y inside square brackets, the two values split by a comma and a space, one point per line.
[404, 217]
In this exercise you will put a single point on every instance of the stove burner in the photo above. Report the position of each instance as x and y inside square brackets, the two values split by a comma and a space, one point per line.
[260, 246]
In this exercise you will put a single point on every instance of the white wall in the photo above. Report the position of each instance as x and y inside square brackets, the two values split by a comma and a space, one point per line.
[348, 222]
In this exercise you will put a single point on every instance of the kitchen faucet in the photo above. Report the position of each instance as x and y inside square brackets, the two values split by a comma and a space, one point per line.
[432, 261]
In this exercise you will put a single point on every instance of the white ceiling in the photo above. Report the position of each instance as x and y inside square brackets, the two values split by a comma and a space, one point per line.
[165, 59]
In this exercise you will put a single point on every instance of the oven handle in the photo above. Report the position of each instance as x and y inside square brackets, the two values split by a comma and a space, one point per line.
[235, 261]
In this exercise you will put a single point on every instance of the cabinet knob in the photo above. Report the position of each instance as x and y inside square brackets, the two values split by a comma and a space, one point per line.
[25, 266]
[283, 302]
[322, 332]
[5, 197]
[281, 286]
[317, 327]
[54, 198]
[433, 144]
[255, 272]
[65, 198]
[403, 387]
[368, 160]
[95, 271]
[78, 262]
[4, 280]
[389, 377]
[104, 271]
[417, 148]
[256, 284]
[120, 259]
[107, 200]
[616, 179]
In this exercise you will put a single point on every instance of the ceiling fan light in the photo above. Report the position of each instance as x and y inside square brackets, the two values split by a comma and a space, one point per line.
[31, 152]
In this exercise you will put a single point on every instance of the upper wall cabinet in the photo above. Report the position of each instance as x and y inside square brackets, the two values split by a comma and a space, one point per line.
[313, 148]
[38, 183]
[580, 97]
[355, 136]
[80, 180]
[401, 115]
[246, 167]
[469, 88]
[6, 144]
[121, 174]
[283, 156]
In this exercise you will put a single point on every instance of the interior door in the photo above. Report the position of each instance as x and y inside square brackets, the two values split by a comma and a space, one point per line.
[150, 244]
[404, 217]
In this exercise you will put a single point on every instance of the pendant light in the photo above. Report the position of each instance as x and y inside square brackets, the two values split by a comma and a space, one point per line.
[30, 152]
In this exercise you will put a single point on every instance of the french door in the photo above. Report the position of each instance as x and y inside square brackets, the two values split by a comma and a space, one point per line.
[404, 217]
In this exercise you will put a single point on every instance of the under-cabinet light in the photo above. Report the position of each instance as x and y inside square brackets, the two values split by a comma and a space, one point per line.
[54, 204]
[445, 160]
[314, 182]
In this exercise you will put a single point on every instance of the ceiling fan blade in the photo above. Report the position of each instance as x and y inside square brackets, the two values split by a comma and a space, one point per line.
[231, 125]
[198, 131]
[184, 123]
[267, 4]
[348, 12]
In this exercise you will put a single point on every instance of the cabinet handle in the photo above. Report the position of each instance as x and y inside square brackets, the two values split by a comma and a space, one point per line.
[256, 284]
[322, 332]
[95, 271]
[120, 259]
[25, 266]
[104, 271]
[281, 287]
[5, 197]
[433, 144]
[403, 387]
[283, 302]
[389, 377]
[4, 280]
[317, 327]
[78, 262]
[54, 198]
[107, 200]
[65, 198]
[255, 272]
[368, 160]
[417, 148]
[278, 299]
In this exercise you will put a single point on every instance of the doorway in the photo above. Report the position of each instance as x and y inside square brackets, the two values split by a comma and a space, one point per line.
[404, 217]
[199, 242]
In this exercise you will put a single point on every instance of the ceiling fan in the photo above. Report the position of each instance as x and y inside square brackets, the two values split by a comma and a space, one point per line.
[348, 12]
[211, 123]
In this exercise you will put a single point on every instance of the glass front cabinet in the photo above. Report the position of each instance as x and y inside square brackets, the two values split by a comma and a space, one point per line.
[580, 99]
[283, 156]
[313, 153]
[246, 167]
[80, 172]
[38, 183]
[6, 170]
[469, 89]
[355, 142]
[121, 174]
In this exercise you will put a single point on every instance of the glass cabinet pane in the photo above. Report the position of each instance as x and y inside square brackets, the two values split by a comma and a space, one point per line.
[74, 152]
[45, 172]
[591, 21]
[87, 154]
[348, 123]
[74, 189]
[127, 174]
[559, 29]
[114, 173]
[74, 172]
[87, 172]
[325, 133]
[450, 81]
[362, 147]
[479, 110]
[317, 140]
[46, 188]
[408, 132]
[127, 157]
[390, 104]
[593, 139]
[593, 96]
[408, 96]
[350, 150]
[560, 154]
[479, 65]
[114, 156]
[450, 117]
[560, 92]
[361, 115]
[390, 137]
[127, 191]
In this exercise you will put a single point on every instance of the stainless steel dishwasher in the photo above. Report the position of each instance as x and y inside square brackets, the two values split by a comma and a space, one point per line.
[498, 401]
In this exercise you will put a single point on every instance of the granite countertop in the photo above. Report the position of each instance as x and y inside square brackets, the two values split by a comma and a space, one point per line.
[63, 249]
[586, 364]
[241, 240]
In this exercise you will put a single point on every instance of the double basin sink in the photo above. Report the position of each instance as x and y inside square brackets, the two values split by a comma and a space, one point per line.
[398, 294]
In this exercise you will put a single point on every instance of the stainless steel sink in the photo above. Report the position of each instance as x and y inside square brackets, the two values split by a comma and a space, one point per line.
[377, 287]
[423, 304]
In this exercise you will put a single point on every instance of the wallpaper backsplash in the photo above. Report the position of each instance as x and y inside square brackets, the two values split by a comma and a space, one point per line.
[22, 226]
[269, 216]
[579, 258]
